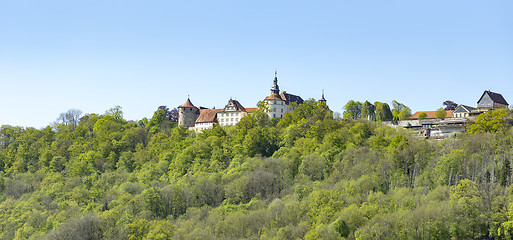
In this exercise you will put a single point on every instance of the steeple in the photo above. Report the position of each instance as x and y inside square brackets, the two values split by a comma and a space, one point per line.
[322, 100]
[275, 90]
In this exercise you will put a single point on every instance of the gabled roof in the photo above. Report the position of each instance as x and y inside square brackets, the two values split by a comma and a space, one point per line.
[496, 97]
[291, 98]
[238, 106]
[208, 115]
[464, 107]
[430, 114]
[187, 103]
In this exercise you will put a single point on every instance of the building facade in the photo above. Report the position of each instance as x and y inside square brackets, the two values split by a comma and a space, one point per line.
[278, 104]
[199, 119]
[232, 113]
[462, 111]
[492, 100]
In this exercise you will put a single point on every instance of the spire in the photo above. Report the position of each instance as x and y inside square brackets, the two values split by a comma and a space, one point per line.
[322, 100]
[275, 89]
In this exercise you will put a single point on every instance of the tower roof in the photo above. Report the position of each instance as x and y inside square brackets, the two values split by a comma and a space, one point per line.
[275, 89]
[322, 98]
[187, 103]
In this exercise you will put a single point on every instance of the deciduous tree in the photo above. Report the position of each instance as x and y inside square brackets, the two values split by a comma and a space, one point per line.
[353, 110]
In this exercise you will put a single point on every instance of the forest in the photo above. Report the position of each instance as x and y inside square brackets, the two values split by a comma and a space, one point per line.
[309, 175]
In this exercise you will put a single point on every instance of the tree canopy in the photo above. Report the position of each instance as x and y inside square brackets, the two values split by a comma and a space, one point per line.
[306, 176]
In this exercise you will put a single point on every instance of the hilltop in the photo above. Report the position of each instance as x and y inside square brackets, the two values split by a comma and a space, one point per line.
[309, 175]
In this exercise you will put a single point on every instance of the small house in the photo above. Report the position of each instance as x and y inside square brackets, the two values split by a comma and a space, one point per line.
[462, 111]
[492, 100]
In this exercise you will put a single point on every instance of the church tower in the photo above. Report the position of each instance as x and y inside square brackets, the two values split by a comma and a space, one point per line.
[277, 105]
[275, 89]
[187, 114]
[322, 100]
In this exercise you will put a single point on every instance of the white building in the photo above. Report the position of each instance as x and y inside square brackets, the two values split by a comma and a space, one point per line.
[199, 119]
[277, 103]
[232, 113]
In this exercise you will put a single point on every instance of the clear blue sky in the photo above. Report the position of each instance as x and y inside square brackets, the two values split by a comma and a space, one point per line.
[93, 55]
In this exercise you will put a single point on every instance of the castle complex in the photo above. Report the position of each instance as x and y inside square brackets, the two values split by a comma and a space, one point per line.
[199, 119]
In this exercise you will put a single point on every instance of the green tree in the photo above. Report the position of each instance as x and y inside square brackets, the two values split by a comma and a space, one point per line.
[138, 229]
[441, 113]
[422, 115]
[368, 111]
[400, 111]
[492, 121]
[383, 112]
[341, 227]
[353, 110]
[160, 230]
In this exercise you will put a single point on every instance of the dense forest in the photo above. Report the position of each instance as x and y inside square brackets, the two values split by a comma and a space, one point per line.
[309, 175]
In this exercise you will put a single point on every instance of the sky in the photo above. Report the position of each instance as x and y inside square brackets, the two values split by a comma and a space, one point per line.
[96, 54]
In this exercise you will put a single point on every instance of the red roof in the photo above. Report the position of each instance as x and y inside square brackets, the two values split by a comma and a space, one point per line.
[274, 97]
[208, 115]
[187, 103]
[286, 97]
[430, 114]
[250, 110]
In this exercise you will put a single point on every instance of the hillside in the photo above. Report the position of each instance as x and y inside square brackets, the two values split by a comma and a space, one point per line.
[307, 176]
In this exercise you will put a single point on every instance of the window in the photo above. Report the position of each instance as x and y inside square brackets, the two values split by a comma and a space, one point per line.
[231, 120]
[282, 110]
[274, 102]
[274, 115]
[274, 109]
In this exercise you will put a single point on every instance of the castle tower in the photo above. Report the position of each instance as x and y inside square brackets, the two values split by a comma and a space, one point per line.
[275, 89]
[277, 105]
[187, 114]
[322, 100]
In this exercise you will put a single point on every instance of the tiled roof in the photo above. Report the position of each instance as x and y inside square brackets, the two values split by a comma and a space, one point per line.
[430, 114]
[187, 103]
[496, 97]
[208, 115]
[291, 98]
[274, 97]
[250, 110]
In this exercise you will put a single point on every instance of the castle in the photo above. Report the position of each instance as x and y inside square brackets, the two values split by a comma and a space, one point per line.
[199, 119]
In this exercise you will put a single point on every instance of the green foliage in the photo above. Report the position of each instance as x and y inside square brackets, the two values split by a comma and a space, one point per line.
[422, 115]
[306, 176]
[492, 121]
[353, 110]
[400, 111]
[441, 113]
[368, 111]
[383, 112]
